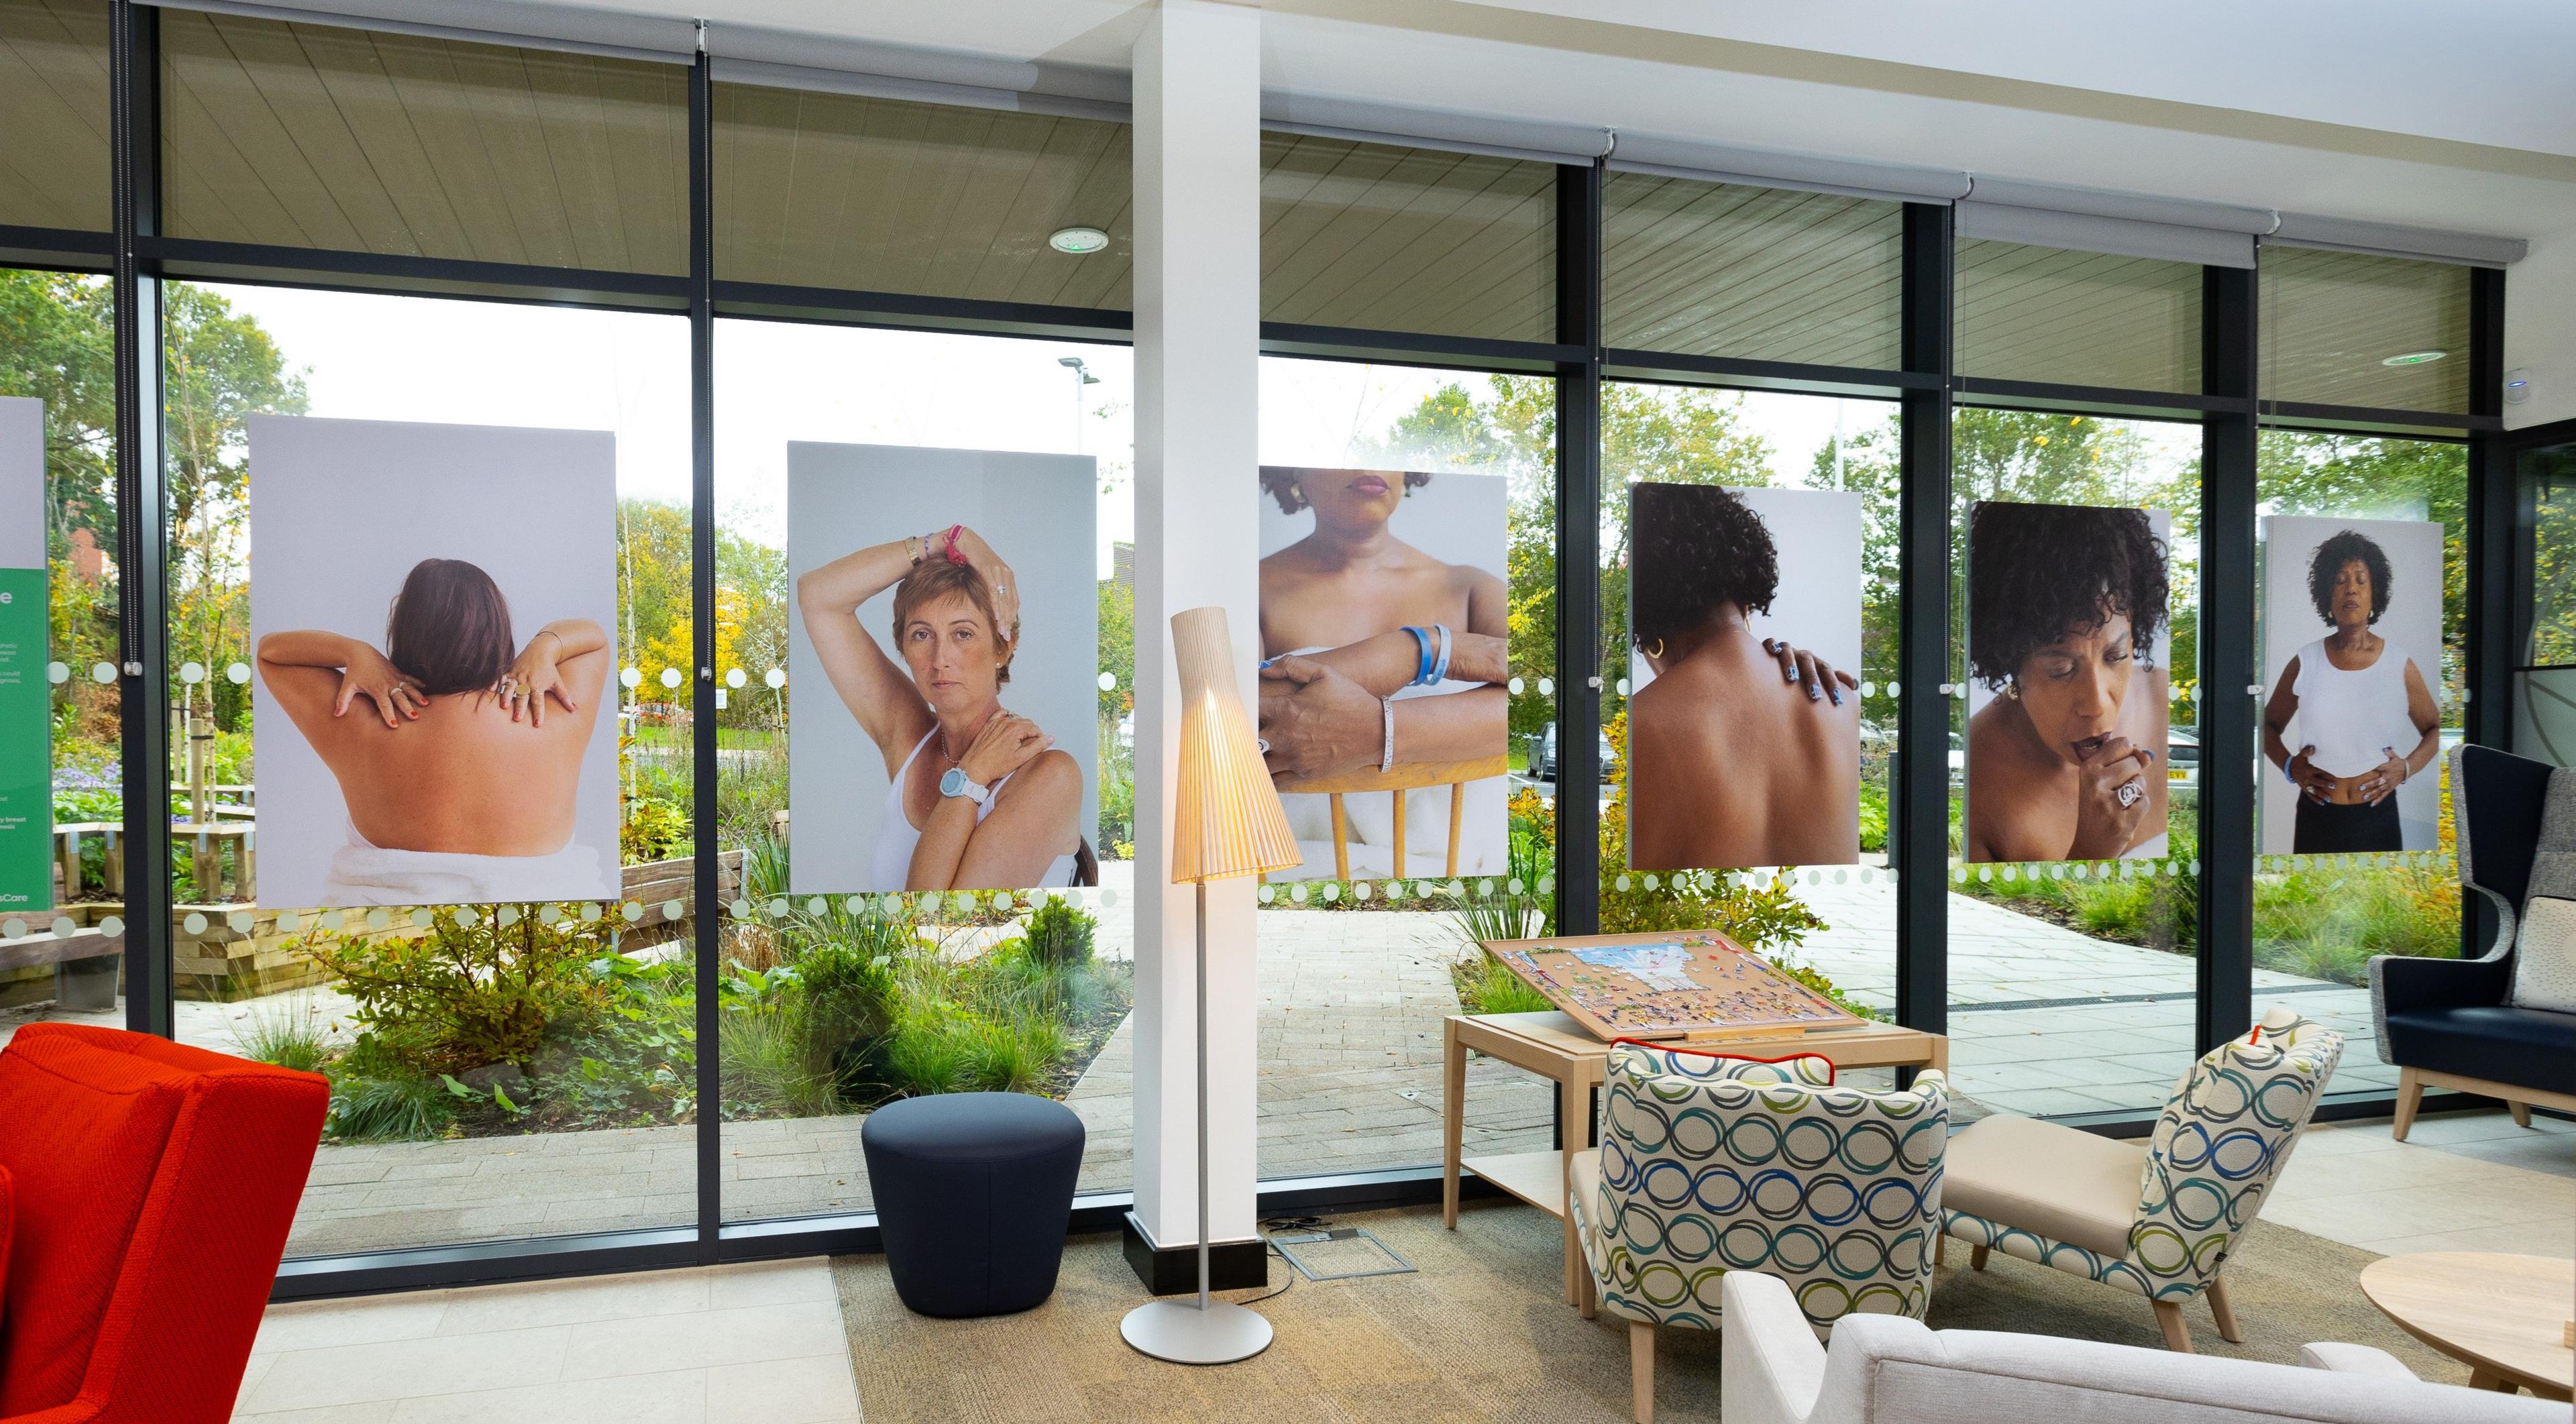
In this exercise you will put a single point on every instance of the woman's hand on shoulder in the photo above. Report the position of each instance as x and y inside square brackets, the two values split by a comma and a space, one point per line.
[533, 678]
[368, 674]
[1804, 669]
[1007, 743]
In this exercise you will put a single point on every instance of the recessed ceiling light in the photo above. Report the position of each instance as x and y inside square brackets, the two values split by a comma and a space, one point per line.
[2415, 358]
[1077, 240]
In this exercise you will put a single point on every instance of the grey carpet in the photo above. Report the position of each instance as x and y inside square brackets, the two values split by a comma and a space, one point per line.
[1478, 1333]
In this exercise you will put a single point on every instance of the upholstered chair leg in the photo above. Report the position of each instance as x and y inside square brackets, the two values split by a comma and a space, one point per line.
[1641, 1369]
[2224, 1312]
[1589, 1301]
[2521, 1113]
[2410, 1095]
[1977, 1258]
[2177, 1334]
[1940, 1248]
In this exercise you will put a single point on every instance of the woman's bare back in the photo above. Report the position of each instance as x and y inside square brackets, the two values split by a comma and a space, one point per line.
[462, 777]
[1740, 766]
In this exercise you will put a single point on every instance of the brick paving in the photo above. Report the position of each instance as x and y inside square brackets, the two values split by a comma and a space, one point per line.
[2043, 1020]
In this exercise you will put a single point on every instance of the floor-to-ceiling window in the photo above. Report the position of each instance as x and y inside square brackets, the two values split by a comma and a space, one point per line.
[2544, 691]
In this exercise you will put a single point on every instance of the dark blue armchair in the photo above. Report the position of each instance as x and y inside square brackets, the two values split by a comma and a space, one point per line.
[2451, 1023]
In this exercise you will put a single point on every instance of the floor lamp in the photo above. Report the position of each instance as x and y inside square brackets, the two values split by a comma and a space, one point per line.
[1226, 821]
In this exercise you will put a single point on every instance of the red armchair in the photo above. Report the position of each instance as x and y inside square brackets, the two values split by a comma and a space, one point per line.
[153, 1185]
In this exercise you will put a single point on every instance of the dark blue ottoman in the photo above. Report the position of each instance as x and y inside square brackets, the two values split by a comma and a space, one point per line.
[973, 1193]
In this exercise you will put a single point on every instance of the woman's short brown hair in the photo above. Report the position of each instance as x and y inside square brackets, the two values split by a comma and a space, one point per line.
[449, 628]
[935, 578]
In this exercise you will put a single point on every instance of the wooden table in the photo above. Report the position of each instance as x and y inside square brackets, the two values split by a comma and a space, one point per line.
[1556, 1048]
[2504, 1316]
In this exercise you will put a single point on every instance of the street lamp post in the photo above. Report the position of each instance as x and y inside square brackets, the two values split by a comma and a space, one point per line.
[1081, 377]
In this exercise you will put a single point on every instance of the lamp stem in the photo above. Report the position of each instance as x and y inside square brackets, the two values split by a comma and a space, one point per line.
[1201, 979]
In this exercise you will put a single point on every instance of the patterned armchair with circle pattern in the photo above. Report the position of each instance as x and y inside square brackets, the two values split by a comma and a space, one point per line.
[2157, 1218]
[1711, 1163]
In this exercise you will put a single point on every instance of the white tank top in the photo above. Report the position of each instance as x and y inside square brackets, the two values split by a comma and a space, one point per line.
[891, 865]
[2353, 719]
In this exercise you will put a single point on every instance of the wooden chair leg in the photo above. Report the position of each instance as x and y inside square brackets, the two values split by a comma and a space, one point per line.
[1977, 1257]
[2177, 1334]
[1641, 1369]
[1590, 1303]
[1341, 840]
[1457, 822]
[2410, 1096]
[2224, 1311]
[1400, 869]
[2521, 1113]
[1940, 1248]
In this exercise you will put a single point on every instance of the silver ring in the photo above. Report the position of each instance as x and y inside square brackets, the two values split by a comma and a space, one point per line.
[2129, 793]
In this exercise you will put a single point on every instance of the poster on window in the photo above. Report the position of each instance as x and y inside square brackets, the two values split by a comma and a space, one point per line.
[2352, 659]
[434, 613]
[2068, 694]
[1383, 673]
[26, 720]
[1744, 657]
[942, 673]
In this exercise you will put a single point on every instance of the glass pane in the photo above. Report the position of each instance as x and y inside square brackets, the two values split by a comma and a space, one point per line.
[1718, 269]
[1446, 481]
[2344, 328]
[1406, 239]
[841, 991]
[484, 959]
[350, 140]
[2071, 966]
[54, 171]
[55, 347]
[958, 202]
[1730, 519]
[2077, 318]
[2549, 549]
[2365, 566]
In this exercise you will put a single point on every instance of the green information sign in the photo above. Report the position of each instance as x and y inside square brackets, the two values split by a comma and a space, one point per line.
[26, 694]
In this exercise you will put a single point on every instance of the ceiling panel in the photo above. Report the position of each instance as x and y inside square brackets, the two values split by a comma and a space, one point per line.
[2332, 320]
[54, 167]
[1721, 269]
[2077, 318]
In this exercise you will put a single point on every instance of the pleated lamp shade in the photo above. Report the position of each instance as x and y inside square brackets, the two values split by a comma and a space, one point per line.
[1226, 818]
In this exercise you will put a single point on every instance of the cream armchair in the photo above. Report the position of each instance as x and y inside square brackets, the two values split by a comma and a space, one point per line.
[1888, 1370]
[2159, 1217]
[1710, 1164]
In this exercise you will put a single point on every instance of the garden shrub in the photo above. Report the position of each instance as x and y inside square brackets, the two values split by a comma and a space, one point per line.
[458, 996]
[655, 829]
[1058, 935]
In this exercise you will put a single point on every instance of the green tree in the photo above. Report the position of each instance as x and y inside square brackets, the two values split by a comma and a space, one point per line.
[57, 346]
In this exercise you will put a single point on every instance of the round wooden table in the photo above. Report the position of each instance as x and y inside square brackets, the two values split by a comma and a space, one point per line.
[2504, 1316]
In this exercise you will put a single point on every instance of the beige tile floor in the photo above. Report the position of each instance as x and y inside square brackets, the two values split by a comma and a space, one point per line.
[765, 1342]
[750, 1344]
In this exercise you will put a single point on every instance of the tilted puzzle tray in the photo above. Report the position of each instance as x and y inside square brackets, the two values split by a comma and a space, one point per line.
[1698, 984]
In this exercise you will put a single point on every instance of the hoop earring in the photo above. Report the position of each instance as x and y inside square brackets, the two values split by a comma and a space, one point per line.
[1656, 652]
[2012, 689]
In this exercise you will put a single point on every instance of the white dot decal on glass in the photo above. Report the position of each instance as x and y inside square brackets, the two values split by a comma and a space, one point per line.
[57, 674]
[670, 677]
[1513, 687]
[64, 928]
[1108, 898]
[194, 924]
[1620, 884]
[1546, 686]
[1547, 885]
[1267, 893]
[1332, 893]
[332, 920]
[13, 929]
[1360, 890]
[1842, 878]
[112, 926]
[1297, 894]
[777, 907]
[102, 672]
[1109, 682]
[1892, 690]
[1869, 689]
[1653, 883]
[420, 919]
[736, 677]
[671, 909]
[288, 922]
[509, 916]
[742, 909]
[1986, 874]
[855, 905]
[240, 922]
[237, 673]
[632, 911]
[1623, 687]
[815, 905]
[192, 673]
[631, 677]
[1514, 885]
[774, 678]
[379, 920]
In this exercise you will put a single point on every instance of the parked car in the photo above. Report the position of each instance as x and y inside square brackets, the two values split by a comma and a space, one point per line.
[1543, 754]
[2182, 757]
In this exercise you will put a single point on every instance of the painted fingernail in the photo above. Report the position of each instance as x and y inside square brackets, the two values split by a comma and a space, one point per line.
[1837, 692]
[1812, 694]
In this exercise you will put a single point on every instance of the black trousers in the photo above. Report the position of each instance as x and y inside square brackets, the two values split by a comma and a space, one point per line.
[2326, 829]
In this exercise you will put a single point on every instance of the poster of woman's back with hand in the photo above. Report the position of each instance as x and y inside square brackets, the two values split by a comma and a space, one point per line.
[433, 614]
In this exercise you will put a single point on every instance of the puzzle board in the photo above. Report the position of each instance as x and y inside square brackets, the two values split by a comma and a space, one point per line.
[1696, 985]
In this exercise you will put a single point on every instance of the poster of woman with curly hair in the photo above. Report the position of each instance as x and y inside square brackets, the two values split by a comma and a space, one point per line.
[1744, 728]
[2068, 694]
[2352, 653]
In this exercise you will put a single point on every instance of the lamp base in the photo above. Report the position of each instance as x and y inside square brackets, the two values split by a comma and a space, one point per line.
[1182, 1333]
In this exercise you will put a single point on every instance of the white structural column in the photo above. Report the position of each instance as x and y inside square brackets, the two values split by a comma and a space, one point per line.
[1198, 348]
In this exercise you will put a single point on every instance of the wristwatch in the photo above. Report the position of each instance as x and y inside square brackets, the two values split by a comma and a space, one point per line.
[954, 783]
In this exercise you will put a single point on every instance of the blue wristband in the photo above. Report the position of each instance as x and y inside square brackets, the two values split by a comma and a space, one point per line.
[1422, 648]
